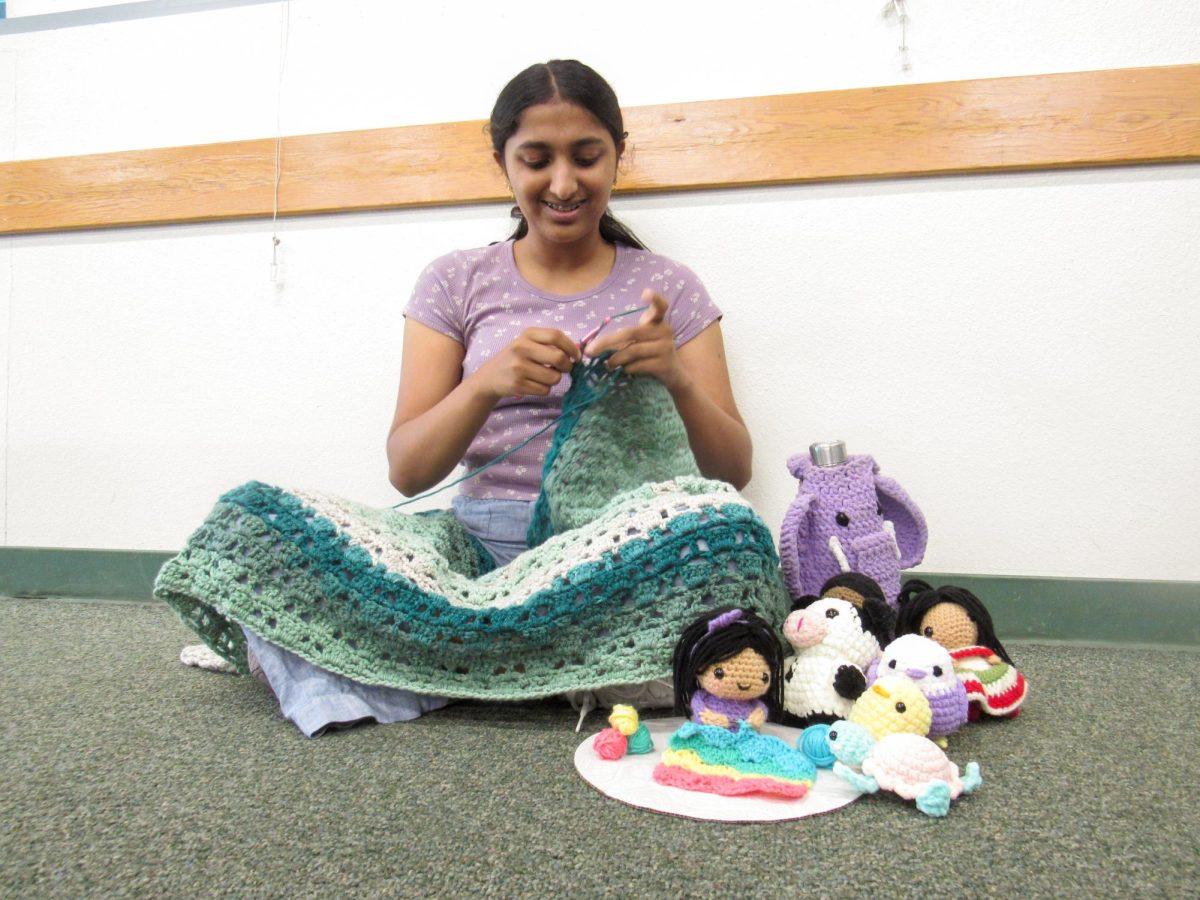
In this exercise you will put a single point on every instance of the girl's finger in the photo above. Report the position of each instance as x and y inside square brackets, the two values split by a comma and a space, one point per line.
[550, 355]
[553, 337]
[634, 353]
[658, 308]
[611, 341]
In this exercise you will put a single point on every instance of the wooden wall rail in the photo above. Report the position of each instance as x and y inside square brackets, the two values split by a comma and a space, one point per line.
[1103, 118]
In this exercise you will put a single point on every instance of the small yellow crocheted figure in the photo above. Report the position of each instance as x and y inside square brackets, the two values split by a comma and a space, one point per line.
[892, 705]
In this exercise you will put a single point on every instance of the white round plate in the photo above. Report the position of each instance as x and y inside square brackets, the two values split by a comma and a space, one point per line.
[630, 780]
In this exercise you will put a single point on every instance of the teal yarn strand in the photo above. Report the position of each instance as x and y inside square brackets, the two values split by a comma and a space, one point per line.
[599, 380]
[589, 383]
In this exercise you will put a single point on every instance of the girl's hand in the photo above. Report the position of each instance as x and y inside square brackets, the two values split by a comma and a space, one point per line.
[708, 717]
[532, 364]
[756, 718]
[648, 348]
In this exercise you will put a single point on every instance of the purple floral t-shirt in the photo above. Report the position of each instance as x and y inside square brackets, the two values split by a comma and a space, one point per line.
[479, 298]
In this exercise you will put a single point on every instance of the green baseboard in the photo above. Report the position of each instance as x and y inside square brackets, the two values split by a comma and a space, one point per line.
[1022, 607]
[1094, 610]
[79, 574]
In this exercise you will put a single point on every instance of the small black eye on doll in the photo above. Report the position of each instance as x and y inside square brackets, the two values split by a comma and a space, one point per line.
[728, 669]
[958, 620]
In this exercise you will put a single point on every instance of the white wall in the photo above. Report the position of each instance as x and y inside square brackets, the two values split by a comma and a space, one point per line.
[1019, 351]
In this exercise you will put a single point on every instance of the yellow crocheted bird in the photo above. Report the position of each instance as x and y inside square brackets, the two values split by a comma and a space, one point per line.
[892, 705]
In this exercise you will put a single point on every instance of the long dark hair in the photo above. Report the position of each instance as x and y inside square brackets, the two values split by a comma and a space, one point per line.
[918, 597]
[707, 641]
[573, 82]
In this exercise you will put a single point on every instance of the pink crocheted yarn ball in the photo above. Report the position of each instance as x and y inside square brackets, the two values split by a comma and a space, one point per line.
[610, 744]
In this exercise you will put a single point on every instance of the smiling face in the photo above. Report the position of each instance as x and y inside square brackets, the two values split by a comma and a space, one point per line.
[745, 676]
[561, 163]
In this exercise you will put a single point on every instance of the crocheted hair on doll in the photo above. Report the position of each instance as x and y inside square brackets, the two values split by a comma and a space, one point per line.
[717, 637]
[952, 616]
[636, 436]
[855, 588]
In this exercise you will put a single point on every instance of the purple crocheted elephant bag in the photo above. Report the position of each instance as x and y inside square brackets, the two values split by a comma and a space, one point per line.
[848, 518]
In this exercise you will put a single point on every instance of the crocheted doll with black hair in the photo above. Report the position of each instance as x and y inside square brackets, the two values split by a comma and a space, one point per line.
[958, 620]
[728, 666]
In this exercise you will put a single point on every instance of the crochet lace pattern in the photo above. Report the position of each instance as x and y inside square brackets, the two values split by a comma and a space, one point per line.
[582, 473]
[410, 600]
[716, 760]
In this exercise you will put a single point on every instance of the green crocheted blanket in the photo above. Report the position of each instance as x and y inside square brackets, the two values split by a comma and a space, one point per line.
[412, 600]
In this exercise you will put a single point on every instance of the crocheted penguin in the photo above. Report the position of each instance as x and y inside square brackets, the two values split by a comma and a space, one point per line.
[928, 665]
[835, 642]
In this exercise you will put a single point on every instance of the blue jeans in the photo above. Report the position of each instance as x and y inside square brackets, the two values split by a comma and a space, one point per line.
[315, 699]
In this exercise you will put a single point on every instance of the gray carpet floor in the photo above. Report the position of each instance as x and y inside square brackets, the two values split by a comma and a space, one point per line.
[124, 773]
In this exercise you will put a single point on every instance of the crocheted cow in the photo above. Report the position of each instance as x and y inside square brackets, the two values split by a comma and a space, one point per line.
[835, 642]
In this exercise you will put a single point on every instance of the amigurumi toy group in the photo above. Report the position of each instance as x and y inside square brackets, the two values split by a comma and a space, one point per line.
[880, 675]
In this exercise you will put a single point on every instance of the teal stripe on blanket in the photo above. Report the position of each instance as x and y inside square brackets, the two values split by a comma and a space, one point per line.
[349, 572]
[266, 559]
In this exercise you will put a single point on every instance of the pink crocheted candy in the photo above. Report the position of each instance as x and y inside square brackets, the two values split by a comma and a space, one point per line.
[610, 744]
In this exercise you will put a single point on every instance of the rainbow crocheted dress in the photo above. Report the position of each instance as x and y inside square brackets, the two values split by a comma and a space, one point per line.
[631, 545]
[716, 760]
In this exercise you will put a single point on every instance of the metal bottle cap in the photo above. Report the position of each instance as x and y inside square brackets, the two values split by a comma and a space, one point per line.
[831, 453]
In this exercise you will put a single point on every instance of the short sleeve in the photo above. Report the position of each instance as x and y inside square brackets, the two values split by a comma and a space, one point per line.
[431, 305]
[691, 309]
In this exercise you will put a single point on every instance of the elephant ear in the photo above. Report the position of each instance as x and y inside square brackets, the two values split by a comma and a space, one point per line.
[799, 465]
[898, 508]
[795, 530]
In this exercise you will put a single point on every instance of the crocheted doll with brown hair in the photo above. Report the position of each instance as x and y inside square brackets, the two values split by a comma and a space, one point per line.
[855, 588]
[728, 666]
[958, 620]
